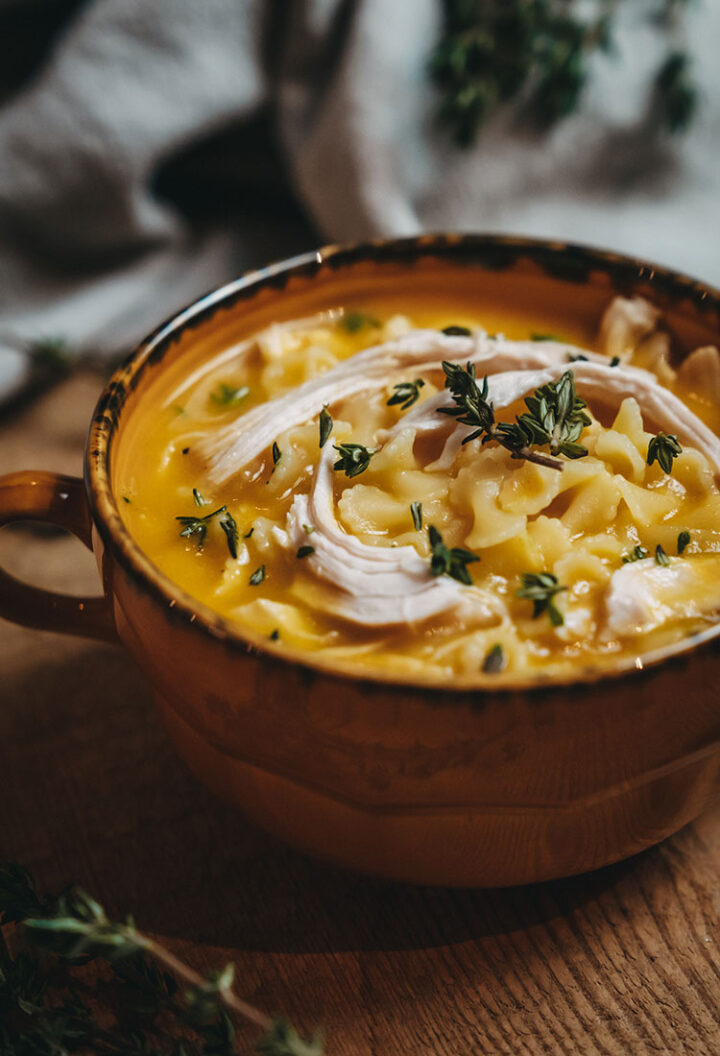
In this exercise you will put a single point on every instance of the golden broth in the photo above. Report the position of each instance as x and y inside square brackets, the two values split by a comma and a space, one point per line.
[581, 537]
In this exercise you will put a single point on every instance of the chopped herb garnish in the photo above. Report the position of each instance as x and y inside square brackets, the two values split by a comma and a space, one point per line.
[682, 541]
[258, 576]
[274, 635]
[416, 511]
[308, 528]
[540, 588]
[228, 395]
[354, 458]
[615, 361]
[249, 532]
[229, 526]
[185, 450]
[126, 499]
[305, 551]
[326, 425]
[406, 393]
[664, 447]
[638, 553]
[494, 661]
[660, 556]
[354, 321]
[555, 416]
[579, 358]
[449, 562]
[276, 453]
[178, 409]
[196, 527]
[456, 331]
[544, 337]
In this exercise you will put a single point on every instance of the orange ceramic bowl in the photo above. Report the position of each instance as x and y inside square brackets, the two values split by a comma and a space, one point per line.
[465, 784]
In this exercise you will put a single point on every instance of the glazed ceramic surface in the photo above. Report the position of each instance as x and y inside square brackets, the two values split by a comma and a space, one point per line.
[465, 784]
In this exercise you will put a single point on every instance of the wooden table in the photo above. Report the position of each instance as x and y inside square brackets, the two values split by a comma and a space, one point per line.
[625, 960]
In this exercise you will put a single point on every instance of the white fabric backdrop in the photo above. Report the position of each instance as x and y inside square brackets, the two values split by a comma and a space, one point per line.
[90, 252]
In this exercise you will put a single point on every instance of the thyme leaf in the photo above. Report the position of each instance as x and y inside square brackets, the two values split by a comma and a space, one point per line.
[257, 577]
[355, 321]
[354, 458]
[494, 660]
[540, 588]
[229, 526]
[305, 550]
[449, 562]
[229, 396]
[199, 499]
[276, 453]
[664, 448]
[660, 556]
[326, 425]
[406, 393]
[683, 540]
[417, 516]
[638, 553]
[456, 331]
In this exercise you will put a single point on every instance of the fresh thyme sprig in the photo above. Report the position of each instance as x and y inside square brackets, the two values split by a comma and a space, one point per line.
[406, 393]
[540, 588]
[155, 999]
[555, 416]
[197, 527]
[354, 458]
[449, 562]
[665, 448]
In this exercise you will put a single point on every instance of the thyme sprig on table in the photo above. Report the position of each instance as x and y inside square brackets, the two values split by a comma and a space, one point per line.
[555, 417]
[154, 1005]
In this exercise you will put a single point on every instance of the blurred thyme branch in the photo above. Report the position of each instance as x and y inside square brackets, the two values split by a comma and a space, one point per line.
[537, 52]
[156, 1006]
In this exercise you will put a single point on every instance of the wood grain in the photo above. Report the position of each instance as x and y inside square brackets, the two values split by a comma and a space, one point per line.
[625, 960]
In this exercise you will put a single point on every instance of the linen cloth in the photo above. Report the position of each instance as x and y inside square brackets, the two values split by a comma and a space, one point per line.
[97, 245]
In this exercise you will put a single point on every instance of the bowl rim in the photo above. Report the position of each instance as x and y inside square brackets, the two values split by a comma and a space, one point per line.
[180, 606]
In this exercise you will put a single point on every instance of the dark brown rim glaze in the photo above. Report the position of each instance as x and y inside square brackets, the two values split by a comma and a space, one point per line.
[566, 261]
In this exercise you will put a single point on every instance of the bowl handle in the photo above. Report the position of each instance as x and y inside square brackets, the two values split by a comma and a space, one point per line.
[53, 499]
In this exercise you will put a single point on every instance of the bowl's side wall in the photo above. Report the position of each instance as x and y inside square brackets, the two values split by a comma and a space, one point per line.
[458, 788]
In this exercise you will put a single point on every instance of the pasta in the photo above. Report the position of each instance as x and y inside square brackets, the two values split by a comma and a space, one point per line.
[450, 503]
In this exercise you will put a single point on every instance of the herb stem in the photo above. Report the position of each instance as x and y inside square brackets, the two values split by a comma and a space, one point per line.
[535, 456]
[188, 975]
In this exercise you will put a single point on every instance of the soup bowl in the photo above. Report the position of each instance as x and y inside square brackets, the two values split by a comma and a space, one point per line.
[475, 782]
